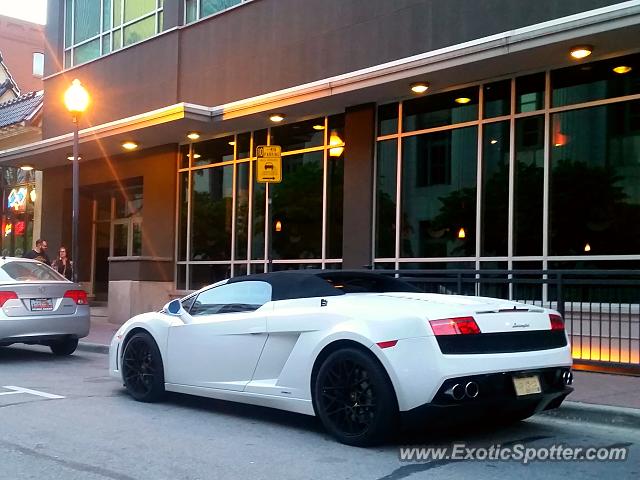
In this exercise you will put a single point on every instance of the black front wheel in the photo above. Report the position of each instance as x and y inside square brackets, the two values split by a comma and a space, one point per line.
[354, 398]
[142, 369]
[64, 347]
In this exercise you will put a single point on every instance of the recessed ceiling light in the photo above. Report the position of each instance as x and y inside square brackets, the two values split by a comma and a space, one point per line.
[493, 141]
[581, 51]
[318, 127]
[129, 145]
[462, 100]
[232, 143]
[419, 87]
[196, 155]
[193, 135]
[622, 69]
[277, 117]
[70, 157]
[26, 168]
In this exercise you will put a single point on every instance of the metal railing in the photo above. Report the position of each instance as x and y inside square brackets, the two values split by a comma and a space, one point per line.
[601, 308]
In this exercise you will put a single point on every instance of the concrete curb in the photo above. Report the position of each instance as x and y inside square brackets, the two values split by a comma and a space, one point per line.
[93, 347]
[600, 414]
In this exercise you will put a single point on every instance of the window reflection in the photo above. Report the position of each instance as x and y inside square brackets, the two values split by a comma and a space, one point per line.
[213, 151]
[212, 191]
[441, 109]
[297, 136]
[530, 93]
[242, 210]
[495, 189]
[528, 186]
[297, 205]
[595, 81]
[386, 181]
[439, 194]
[497, 99]
[595, 187]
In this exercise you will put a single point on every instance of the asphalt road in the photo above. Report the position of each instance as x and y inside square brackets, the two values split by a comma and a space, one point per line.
[97, 432]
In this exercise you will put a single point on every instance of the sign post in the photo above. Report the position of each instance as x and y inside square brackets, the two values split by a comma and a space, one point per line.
[268, 171]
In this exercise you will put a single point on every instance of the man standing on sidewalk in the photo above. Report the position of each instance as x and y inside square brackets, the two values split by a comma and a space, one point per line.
[40, 252]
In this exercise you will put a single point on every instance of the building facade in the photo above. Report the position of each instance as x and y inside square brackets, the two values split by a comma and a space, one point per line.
[516, 155]
[22, 45]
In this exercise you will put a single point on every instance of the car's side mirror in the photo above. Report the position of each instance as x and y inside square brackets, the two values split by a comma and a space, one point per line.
[175, 309]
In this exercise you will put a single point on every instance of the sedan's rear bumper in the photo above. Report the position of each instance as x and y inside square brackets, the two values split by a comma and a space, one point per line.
[39, 329]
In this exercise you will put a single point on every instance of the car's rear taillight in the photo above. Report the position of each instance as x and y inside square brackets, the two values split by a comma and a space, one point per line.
[455, 326]
[4, 296]
[78, 296]
[556, 322]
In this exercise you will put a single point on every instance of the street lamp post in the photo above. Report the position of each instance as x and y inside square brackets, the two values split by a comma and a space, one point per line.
[76, 99]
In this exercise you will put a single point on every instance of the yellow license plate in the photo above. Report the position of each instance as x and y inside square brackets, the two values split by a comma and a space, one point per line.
[527, 385]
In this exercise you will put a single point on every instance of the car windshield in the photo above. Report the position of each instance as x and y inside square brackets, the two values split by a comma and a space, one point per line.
[29, 272]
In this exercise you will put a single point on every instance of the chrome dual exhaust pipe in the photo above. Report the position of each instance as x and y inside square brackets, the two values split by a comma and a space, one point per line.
[459, 391]
[471, 389]
[456, 392]
[567, 377]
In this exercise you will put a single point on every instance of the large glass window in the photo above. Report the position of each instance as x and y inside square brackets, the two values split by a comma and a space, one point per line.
[388, 119]
[441, 109]
[221, 204]
[528, 186]
[212, 190]
[596, 81]
[243, 178]
[438, 216]
[497, 99]
[126, 221]
[595, 181]
[495, 190]
[558, 172]
[183, 209]
[297, 205]
[530, 93]
[386, 181]
[98, 27]
[195, 9]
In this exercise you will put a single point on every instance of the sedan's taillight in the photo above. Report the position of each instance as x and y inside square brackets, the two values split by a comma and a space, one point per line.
[455, 326]
[556, 322]
[4, 296]
[78, 296]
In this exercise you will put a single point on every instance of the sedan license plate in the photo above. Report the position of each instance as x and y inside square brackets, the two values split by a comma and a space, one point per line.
[41, 304]
[527, 385]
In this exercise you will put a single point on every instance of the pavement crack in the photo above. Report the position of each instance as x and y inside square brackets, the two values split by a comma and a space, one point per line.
[77, 466]
[408, 470]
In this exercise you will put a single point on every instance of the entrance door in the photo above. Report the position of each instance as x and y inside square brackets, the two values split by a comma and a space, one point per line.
[117, 229]
[102, 242]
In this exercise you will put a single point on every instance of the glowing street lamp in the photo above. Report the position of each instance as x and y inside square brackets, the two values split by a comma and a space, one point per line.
[76, 99]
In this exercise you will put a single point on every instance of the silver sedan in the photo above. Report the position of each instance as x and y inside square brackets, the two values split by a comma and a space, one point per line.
[40, 306]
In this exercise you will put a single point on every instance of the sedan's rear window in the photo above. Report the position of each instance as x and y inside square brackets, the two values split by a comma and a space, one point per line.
[30, 272]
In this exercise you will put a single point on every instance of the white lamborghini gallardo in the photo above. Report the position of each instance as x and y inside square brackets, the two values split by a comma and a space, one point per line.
[358, 349]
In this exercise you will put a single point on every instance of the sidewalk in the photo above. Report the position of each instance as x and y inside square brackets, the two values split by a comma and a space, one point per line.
[101, 332]
[597, 397]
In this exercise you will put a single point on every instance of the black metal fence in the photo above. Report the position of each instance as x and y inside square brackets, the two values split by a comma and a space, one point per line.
[601, 308]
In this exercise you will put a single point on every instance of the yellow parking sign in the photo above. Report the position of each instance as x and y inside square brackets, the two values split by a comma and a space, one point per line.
[268, 164]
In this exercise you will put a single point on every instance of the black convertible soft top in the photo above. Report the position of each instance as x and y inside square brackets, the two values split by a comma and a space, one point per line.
[292, 284]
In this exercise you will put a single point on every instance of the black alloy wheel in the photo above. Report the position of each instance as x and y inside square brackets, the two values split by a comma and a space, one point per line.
[64, 347]
[354, 398]
[142, 369]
